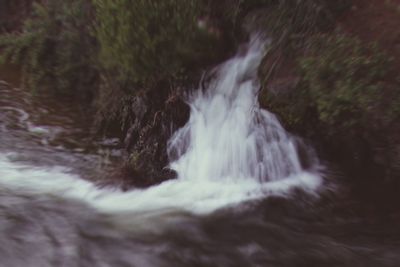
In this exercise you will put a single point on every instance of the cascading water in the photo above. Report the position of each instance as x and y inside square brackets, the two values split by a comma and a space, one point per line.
[228, 136]
[230, 151]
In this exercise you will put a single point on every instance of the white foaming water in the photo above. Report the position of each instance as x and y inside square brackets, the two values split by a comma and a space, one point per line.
[228, 136]
[199, 197]
[230, 151]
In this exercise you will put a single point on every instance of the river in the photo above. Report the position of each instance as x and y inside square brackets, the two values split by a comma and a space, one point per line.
[244, 195]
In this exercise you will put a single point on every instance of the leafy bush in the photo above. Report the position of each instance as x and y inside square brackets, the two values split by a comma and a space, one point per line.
[343, 87]
[344, 79]
[145, 41]
[55, 48]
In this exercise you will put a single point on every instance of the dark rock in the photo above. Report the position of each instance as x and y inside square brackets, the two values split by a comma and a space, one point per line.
[156, 116]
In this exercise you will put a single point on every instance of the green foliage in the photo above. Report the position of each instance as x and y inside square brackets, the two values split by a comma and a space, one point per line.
[343, 89]
[344, 78]
[55, 48]
[145, 41]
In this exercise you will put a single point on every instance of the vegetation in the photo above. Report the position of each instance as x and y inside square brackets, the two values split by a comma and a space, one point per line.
[55, 49]
[135, 45]
[342, 87]
[145, 41]
[344, 79]
[346, 101]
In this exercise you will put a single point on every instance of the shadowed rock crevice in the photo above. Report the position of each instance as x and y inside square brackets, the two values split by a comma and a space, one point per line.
[156, 115]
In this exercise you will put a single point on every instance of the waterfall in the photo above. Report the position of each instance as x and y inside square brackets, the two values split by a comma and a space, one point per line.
[230, 151]
[229, 137]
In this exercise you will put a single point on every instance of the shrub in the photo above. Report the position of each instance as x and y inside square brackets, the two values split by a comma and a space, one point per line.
[344, 79]
[55, 48]
[342, 88]
[145, 41]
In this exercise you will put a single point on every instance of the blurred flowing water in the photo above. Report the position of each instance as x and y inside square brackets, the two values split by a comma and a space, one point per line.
[244, 195]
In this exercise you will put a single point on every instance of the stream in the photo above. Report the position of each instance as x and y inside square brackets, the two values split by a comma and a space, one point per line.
[245, 195]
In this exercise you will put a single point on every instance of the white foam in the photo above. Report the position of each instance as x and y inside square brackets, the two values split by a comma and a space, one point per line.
[199, 197]
[230, 140]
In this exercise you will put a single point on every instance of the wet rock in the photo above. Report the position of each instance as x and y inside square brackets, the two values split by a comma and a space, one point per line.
[156, 116]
